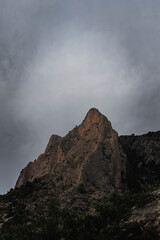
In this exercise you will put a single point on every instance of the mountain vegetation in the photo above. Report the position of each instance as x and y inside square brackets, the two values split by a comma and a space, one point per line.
[105, 222]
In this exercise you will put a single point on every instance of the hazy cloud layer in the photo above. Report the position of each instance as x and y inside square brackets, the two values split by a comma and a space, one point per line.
[60, 58]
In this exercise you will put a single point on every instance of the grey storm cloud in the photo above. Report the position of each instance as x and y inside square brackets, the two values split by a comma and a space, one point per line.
[59, 58]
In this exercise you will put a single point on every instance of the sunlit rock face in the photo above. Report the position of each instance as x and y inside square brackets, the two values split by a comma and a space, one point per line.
[89, 155]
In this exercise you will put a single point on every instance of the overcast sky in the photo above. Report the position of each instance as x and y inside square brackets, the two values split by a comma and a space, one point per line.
[59, 58]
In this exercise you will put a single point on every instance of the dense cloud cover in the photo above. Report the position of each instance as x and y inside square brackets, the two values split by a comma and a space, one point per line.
[59, 58]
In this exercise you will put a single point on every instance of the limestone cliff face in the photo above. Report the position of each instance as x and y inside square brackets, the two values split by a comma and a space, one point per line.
[89, 155]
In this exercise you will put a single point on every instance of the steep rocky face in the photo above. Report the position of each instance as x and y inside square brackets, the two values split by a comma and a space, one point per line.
[143, 158]
[89, 156]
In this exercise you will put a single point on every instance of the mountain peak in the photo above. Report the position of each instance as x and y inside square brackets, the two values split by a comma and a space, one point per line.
[93, 117]
[94, 110]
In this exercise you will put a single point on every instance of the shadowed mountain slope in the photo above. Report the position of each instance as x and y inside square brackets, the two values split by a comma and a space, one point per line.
[143, 158]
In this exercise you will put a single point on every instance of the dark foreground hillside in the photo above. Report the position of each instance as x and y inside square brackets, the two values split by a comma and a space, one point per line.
[31, 212]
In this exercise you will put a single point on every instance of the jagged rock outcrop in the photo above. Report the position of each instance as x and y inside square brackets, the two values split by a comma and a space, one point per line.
[143, 158]
[89, 156]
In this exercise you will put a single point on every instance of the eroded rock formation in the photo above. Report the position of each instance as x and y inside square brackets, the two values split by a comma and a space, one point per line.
[89, 155]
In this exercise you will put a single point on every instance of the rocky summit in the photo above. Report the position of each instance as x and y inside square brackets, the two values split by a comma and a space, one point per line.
[89, 155]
